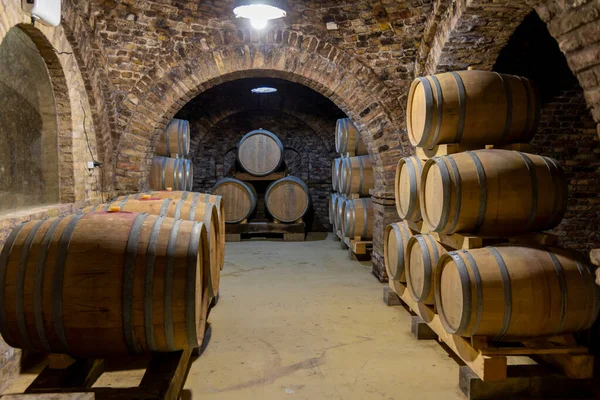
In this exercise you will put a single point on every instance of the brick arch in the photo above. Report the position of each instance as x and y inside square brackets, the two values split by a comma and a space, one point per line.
[354, 88]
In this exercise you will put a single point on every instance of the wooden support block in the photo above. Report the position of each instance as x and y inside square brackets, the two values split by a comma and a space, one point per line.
[525, 382]
[233, 237]
[60, 361]
[82, 374]
[524, 147]
[417, 227]
[275, 176]
[167, 373]
[294, 237]
[458, 241]
[420, 330]
[390, 298]
[360, 247]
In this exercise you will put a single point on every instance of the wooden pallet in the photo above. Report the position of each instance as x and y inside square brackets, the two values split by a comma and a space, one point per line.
[357, 248]
[164, 378]
[295, 232]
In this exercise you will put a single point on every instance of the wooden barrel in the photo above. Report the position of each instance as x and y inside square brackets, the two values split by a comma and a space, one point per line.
[260, 152]
[357, 175]
[348, 140]
[186, 210]
[422, 255]
[358, 219]
[188, 168]
[167, 173]
[175, 141]
[510, 292]
[239, 199]
[472, 108]
[104, 284]
[492, 192]
[194, 197]
[287, 199]
[332, 208]
[408, 179]
[340, 210]
[395, 241]
[336, 174]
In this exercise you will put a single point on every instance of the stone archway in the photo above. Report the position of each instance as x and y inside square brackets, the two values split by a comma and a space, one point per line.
[305, 60]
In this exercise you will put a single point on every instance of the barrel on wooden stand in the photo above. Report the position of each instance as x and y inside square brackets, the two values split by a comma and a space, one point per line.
[357, 175]
[511, 293]
[492, 192]
[287, 199]
[189, 175]
[408, 179]
[175, 140]
[104, 284]
[186, 210]
[471, 108]
[167, 173]
[348, 140]
[260, 152]
[395, 241]
[340, 213]
[239, 199]
[332, 208]
[358, 219]
[422, 254]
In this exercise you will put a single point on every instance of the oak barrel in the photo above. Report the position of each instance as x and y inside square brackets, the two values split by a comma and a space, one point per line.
[422, 255]
[194, 197]
[104, 284]
[186, 210]
[492, 192]
[408, 179]
[175, 140]
[260, 152]
[471, 108]
[356, 175]
[348, 140]
[332, 208]
[340, 210]
[239, 197]
[287, 199]
[510, 292]
[358, 219]
[395, 241]
[167, 173]
[188, 168]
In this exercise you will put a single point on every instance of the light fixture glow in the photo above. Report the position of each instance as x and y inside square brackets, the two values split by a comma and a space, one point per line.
[258, 12]
[263, 90]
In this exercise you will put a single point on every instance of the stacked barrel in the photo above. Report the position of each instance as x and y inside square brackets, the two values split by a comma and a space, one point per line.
[135, 275]
[170, 168]
[260, 155]
[351, 207]
[505, 291]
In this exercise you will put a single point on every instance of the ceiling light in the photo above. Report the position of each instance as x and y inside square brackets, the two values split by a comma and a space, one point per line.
[260, 11]
[263, 90]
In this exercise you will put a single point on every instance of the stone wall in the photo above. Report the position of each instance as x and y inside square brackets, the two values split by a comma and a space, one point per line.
[307, 155]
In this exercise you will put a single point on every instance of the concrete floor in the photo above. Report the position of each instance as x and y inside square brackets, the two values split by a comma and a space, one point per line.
[302, 321]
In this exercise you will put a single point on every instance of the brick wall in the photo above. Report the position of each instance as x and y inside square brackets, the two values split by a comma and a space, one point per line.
[307, 155]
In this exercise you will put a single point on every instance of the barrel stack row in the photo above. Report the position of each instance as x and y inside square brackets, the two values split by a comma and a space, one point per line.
[260, 155]
[135, 275]
[170, 169]
[503, 292]
[351, 207]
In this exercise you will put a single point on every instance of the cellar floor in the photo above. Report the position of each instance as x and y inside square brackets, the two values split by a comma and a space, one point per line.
[302, 321]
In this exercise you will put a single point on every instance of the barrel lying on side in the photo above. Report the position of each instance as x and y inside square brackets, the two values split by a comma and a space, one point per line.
[104, 284]
[408, 179]
[492, 192]
[175, 141]
[358, 219]
[511, 293]
[395, 241]
[188, 168]
[340, 210]
[239, 199]
[167, 173]
[356, 175]
[260, 152]
[423, 253]
[348, 140]
[287, 199]
[471, 108]
[187, 210]
[332, 208]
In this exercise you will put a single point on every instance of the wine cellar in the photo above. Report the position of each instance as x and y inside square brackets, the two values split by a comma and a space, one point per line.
[209, 199]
